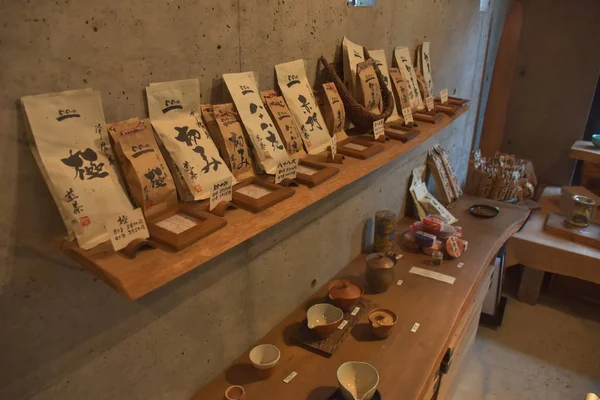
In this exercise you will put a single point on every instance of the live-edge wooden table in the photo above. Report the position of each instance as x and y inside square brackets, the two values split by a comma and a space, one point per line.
[408, 363]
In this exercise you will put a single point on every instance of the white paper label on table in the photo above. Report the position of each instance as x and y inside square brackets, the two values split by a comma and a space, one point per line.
[303, 169]
[415, 327]
[343, 324]
[355, 311]
[460, 265]
[444, 96]
[286, 170]
[290, 377]
[254, 191]
[178, 223]
[399, 283]
[378, 130]
[355, 146]
[125, 227]
[407, 114]
[429, 103]
[333, 145]
[221, 191]
[433, 275]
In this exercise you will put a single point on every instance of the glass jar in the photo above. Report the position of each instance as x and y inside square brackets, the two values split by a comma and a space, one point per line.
[581, 214]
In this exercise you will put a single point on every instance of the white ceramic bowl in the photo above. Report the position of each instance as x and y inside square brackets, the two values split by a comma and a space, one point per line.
[323, 314]
[264, 356]
[357, 380]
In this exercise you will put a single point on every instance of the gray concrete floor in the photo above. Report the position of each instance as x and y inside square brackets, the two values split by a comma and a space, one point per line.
[549, 351]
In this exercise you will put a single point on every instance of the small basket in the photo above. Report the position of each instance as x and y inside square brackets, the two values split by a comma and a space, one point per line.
[360, 116]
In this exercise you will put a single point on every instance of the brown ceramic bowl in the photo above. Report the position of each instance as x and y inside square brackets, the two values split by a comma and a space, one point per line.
[382, 322]
[345, 294]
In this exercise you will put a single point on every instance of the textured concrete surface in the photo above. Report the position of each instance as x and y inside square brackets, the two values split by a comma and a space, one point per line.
[64, 334]
[553, 86]
[548, 351]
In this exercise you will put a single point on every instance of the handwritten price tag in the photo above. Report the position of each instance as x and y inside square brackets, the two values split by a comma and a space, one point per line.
[221, 191]
[407, 114]
[333, 146]
[415, 327]
[429, 103]
[291, 376]
[286, 170]
[444, 96]
[355, 311]
[123, 228]
[343, 324]
[378, 130]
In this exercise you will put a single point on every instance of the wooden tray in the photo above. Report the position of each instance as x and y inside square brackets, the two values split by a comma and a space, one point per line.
[178, 237]
[252, 202]
[590, 236]
[454, 101]
[427, 116]
[361, 149]
[401, 132]
[326, 347]
[323, 172]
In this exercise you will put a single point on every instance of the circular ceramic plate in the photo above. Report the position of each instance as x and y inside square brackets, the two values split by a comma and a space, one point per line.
[484, 211]
[338, 396]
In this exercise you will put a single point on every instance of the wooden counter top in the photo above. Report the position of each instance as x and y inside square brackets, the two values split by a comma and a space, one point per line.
[586, 151]
[153, 269]
[406, 361]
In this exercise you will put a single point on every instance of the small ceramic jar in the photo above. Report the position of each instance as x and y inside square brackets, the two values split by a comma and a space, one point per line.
[581, 214]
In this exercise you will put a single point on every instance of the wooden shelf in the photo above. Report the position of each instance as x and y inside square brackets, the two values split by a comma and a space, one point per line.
[585, 151]
[153, 269]
[407, 362]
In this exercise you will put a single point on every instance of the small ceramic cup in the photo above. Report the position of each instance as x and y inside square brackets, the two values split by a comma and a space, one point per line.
[324, 319]
[235, 393]
[264, 357]
[357, 380]
[382, 322]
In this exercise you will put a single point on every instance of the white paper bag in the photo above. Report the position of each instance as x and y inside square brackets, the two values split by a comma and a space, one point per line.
[299, 96]
[379, 57]
[353, 54]
[70, 142]
[262, 132]
[426, 67]
[174, 112]
[402, 56]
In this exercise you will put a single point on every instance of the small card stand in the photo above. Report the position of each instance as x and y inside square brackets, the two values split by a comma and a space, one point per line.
[400, 131]
[180, 227]
[431, 117]
[357, 148]
[222, 208]
[137, 245]
[447, 108]
[311, 174]
[338, 159]
[452, 101]
[256, 194]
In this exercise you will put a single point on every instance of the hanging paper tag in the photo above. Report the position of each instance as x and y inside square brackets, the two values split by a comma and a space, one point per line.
[333, 145]
[123, 228]
[378, 128]
[444, 96]
[286, 170]
[407, 114]
[221, 191]
[429, 103]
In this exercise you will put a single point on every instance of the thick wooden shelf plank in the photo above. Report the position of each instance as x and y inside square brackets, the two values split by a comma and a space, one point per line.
[586, 151]
[153, 269]
[406, 361]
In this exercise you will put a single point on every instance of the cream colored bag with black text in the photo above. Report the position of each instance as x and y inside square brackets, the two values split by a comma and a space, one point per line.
[70, 143]
[174, 109]
[353, 54]
[379, 57]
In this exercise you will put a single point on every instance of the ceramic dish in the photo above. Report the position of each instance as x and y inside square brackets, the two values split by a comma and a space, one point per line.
[357, 380]
[264, 357]
[596, 140]
[324, 318]
[345, 294]
[484, 211]
[235, 393]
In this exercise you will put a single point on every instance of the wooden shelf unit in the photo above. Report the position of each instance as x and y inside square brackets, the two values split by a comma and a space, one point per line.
[155, 268]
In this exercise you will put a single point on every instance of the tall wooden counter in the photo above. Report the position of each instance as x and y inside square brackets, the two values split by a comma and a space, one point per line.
[408, 363]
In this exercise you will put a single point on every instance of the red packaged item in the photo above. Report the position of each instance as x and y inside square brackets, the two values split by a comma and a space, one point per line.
[446, 231]
[415, 227]
[455, 247]
[410, 241]
[437, 246]
[425, 239]
[459, 231]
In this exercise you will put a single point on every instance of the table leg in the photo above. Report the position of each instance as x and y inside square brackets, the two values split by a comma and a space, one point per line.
[531, 285]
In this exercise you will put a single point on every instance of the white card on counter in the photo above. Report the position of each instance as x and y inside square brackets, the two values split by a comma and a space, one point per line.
[355, 146]
[399, 283]
[290, 377]
[444, 96]
[407, 114]
[378, 130]
[123, 228]
[460, 265]
[355, 311]
[432, 275]
[415, 327]
[343, 324]
[221, 191]
[286, 170]
[254, 191]
[429, 103]
[333, 145]
[178, 223]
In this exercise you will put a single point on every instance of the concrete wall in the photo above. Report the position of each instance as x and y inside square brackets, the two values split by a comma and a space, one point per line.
[552, 90]
[64, 334]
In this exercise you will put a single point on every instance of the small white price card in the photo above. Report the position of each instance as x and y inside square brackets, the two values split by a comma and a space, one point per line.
[286, 170]
[355, 311]
[123, 228]
[399, 283]
[221, 191]
[429, 103]
[343, 324]
[407, 114]
[415, 327]
[460, 265]
[333, 146]
[444, 96]
[378, 129]
[290, 377]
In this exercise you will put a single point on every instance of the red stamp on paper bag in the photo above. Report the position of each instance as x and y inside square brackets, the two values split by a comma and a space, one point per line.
[198, 188]
[84, 221]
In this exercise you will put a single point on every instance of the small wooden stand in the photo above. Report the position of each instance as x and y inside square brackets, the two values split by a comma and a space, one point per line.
[222, 208]
[357, 148]
[318, 173]
[256, 194]
[453, 105]
[338, 159]
[431, 117]
[184, 225]
[400, 131]
[137, 245]
[589, 235]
